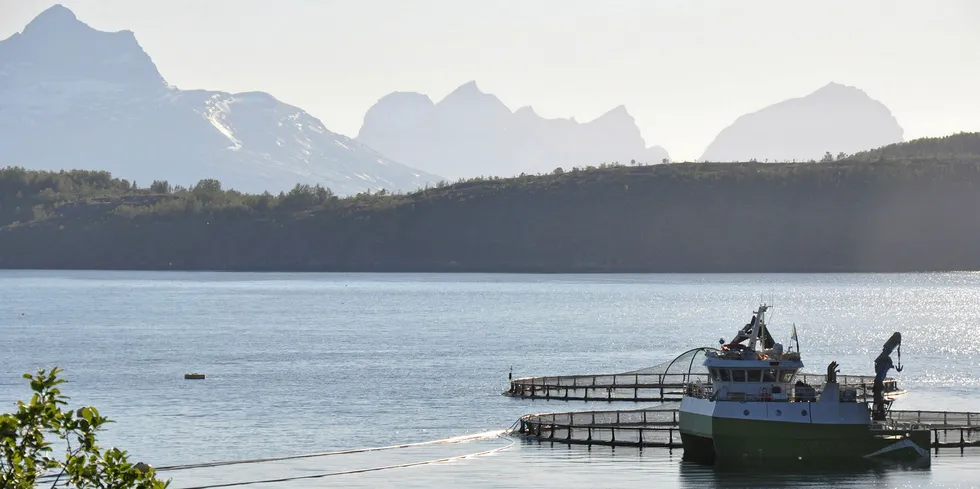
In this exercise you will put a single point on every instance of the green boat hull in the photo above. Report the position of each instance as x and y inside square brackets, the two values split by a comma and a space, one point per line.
[717, 440]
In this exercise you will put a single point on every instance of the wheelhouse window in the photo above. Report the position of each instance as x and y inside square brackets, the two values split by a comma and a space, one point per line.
[786, 375]
[769, 375]
[754, 375]
[723, 373]
[738, 375]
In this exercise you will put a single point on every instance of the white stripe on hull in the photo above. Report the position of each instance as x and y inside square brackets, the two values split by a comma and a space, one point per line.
[783, 412]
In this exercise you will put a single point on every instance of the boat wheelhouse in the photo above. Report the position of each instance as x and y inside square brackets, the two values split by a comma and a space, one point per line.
[754, 407]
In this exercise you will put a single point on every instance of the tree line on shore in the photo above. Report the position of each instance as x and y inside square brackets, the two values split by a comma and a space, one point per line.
[904, 207]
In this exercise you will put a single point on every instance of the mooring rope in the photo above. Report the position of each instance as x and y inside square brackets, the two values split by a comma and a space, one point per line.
[355, 471]
[455, 439]
[443, 441]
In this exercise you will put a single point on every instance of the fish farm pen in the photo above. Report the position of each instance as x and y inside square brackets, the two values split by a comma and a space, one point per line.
[668, 383]
[659, 427]
[641, 387]
[665, 382]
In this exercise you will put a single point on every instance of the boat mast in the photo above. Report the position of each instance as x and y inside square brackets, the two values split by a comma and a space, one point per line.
[760, 316]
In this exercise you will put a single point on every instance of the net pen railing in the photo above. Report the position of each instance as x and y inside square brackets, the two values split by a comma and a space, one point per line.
[663, 382]
[936, 419]
[659, 427]
[643, 428]
[949, 428]
[646, 386]
[611, 380]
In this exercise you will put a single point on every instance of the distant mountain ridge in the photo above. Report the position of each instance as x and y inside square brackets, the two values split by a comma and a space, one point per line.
[835, 118]
[471, 133]
[75, 97]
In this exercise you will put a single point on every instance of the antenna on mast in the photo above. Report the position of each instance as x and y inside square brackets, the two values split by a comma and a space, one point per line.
[796, 338]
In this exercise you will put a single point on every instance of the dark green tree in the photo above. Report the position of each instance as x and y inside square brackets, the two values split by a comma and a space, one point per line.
[160, 187]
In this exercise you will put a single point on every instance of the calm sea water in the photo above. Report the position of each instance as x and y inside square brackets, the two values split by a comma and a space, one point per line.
[303, 363]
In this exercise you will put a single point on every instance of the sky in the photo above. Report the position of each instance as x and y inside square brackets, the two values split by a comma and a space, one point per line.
[685, 69]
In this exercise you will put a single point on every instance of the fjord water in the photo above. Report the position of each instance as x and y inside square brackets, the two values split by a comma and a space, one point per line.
[302, 363]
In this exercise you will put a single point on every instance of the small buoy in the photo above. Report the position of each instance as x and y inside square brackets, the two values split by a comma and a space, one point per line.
[194, 376]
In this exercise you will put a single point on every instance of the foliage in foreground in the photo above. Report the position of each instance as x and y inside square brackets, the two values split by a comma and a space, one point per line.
[26, 455]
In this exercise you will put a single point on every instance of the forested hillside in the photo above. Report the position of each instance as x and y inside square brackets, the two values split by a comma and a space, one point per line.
[906, 207]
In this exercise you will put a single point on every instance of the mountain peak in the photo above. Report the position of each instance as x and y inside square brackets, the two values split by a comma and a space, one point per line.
[95, 100]
[469, 98]
[58, 47]
[526, 111]
[55, 17]
[469, 87]
[837, 86]
[834, 89]
[617, 114]
[397, 112]
[466, 92]
[834, 118]
[472, 133]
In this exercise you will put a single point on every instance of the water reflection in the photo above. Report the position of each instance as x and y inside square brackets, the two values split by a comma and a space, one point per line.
[694, 475]
[559, 465]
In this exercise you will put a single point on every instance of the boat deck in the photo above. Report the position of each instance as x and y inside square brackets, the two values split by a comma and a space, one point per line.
[659, 427]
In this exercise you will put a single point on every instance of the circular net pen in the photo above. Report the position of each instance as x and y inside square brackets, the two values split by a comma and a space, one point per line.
[664, 382]
[660, 383]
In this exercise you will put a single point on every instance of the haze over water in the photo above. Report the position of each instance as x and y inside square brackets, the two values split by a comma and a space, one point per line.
[303, 363]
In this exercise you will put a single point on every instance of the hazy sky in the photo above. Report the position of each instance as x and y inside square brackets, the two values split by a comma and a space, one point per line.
[685, 69]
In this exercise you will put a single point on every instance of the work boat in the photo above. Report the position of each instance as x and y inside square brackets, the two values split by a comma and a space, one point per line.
[754, 409]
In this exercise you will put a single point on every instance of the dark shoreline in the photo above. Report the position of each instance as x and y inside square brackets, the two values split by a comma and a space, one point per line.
[463, 271]
[918, 215]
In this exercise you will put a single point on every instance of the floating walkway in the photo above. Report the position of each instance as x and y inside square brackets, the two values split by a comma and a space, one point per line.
[659, 427]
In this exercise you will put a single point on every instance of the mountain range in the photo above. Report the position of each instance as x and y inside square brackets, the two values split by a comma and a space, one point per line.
[472, 133]
[75, 97]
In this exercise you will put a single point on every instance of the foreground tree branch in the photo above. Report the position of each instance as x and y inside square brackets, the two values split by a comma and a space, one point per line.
[25, 452]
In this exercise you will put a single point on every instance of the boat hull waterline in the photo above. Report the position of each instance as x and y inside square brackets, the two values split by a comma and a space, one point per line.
[720, 439]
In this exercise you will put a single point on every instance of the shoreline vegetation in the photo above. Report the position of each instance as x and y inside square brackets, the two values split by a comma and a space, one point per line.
[908, 207]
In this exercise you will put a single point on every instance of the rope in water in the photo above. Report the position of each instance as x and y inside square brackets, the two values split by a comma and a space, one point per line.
[457, 439]
[355, 471]
[443, 441]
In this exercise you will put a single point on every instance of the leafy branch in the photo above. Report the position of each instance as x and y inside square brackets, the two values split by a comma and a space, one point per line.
[26, 460]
